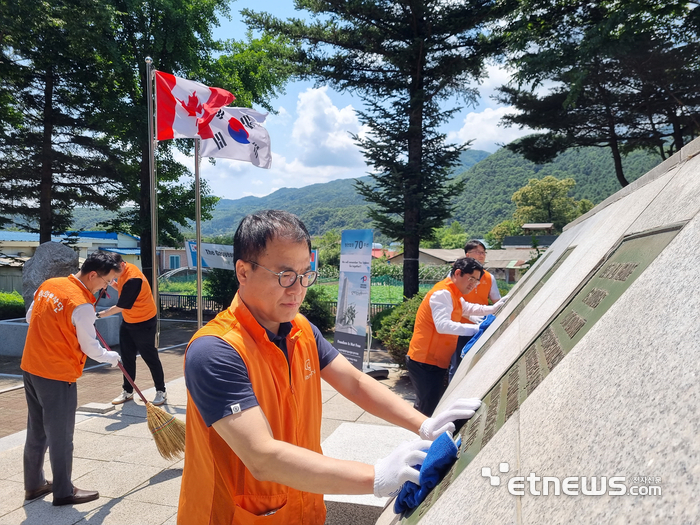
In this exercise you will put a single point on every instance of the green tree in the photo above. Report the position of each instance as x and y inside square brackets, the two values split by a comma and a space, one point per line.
[402, 58]
[329, 249]
[447, 237]
[547, 200]
[626, 76]
[503, 229]
[55, 152]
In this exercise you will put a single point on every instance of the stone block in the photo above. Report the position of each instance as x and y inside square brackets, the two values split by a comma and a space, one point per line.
[51, 259]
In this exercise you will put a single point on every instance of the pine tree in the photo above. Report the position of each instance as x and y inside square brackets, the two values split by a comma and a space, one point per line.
[402, 58]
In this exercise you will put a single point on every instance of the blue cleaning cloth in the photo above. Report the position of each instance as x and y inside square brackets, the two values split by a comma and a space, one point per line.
[441, 455]
[482, 328]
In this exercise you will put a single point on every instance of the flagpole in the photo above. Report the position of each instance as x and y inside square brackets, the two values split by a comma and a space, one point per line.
[198, 223]
[154, 204]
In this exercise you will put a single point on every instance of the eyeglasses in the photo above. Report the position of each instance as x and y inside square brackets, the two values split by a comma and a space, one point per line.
[287, 278]
[108, 283]
[477, 281]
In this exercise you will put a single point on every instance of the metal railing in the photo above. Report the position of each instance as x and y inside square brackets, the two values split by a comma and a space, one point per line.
[188, 302]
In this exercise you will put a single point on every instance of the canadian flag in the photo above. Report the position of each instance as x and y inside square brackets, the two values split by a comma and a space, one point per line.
[185, 108]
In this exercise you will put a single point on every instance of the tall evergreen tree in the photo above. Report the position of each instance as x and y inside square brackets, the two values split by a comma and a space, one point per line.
[626, 76]
[54, 150]
[402, 57]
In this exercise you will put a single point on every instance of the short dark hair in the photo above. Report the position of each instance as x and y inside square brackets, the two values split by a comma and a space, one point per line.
[474, 243]
[467, 265]
[102, 263]
[257, 229]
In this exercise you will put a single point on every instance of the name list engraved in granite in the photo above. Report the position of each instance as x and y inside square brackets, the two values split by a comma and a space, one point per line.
[552, 349]
[572, 323]
[512, 394]
[594, 297]
[533, 371]
[619, 271]
[491, 415]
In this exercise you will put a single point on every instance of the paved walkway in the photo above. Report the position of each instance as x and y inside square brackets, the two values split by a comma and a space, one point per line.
[114, 452]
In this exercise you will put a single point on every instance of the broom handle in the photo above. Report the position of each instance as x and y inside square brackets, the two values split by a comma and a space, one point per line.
[119, 363]
[121, 367]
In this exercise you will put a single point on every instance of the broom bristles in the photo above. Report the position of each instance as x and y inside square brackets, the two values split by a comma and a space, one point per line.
[167, 430]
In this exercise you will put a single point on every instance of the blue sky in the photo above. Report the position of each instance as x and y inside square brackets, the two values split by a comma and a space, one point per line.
[310, 134]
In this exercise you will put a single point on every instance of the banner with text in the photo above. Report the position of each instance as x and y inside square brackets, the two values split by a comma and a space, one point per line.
[213, 255]
[353, 295]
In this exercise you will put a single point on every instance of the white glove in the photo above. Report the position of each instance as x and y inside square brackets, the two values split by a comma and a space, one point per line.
[501, 302]
[391, 472]
[477, 319]
[112, 358]
[462, 408]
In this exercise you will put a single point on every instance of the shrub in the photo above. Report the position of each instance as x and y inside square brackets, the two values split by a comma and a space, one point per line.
[397, 329]
[11, 305]
[377, 321]
[221, 285]
[315, 309]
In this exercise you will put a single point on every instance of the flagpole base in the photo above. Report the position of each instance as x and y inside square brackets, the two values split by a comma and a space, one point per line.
[375, 371]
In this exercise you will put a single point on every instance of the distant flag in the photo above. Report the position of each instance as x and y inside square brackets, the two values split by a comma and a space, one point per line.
[185, 108]
[238, 134]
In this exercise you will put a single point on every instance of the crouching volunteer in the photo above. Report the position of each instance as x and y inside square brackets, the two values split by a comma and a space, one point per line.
[438, 325]
[253, 376]
[60, 338]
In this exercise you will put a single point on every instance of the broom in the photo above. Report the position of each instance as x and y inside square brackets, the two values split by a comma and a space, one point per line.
[168, 431]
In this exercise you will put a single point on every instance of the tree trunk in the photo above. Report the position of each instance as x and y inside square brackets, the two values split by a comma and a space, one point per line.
[46, 184]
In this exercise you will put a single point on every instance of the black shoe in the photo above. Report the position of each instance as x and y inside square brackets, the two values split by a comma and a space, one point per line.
[45, 489]
[79, 496]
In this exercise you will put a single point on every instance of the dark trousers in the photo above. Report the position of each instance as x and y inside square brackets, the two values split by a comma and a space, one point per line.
[140, 338]
[50, 424]
[429, 382]
[457, 356]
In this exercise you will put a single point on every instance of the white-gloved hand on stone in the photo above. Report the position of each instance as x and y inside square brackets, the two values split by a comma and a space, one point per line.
[112, 358]
[477, 319]
[391, 472]
[462, 408]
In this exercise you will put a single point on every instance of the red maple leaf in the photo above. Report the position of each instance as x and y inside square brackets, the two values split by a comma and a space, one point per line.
[193, 106]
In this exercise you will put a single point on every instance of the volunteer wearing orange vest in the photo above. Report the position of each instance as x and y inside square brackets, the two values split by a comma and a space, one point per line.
[253, 376]
[485, 290]
[60, 338]
[438, 324]
[137, 333]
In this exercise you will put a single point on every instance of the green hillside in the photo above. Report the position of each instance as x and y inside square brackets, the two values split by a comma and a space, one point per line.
[490, 184]
[491, 180]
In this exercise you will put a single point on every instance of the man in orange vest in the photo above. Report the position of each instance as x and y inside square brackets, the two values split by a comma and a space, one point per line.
[137, 333]
[438, 325]
[60, 338]
[486, 290]
[253, 376]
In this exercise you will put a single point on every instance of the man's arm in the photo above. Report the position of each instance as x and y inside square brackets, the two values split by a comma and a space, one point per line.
[84, 321]
[249, 435]
[127, 297]
[370, 395]
[441, 309]
[494, 293]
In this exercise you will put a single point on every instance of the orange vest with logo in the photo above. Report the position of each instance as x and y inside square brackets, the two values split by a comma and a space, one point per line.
[52, 350]
[480, 294]
[144, 307]
[427, 345]
[217, 488]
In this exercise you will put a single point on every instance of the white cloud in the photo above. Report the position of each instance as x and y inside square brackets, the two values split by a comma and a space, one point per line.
[321, 131]
[484, 128]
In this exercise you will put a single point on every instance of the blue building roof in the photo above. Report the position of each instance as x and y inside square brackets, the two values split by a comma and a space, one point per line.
[34, 237]
[122, 251]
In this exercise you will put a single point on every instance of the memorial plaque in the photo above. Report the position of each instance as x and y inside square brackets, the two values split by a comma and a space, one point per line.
[521, 305]
[632, 256]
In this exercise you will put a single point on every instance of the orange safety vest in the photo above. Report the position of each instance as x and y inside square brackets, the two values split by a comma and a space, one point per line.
[51, 349]
[144, 307]
[216, 487]
[480, 294]
[427, 345]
